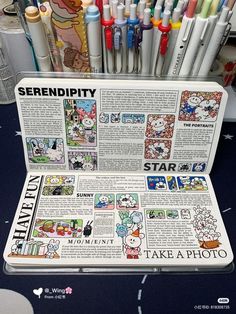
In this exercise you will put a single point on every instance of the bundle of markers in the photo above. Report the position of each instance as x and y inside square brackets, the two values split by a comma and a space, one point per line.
[158, 38]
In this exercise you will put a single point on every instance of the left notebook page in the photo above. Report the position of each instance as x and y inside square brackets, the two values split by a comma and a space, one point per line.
[119, 125]
[118, 220]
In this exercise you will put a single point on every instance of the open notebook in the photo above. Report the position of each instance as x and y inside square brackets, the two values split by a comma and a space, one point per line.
[118, 176]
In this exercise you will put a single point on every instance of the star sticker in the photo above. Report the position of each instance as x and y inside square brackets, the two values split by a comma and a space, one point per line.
[18, 133]
[228, 136]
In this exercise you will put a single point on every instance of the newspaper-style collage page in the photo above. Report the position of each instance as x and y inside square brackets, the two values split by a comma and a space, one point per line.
[118, 175]
[121, 125]
[98, 220]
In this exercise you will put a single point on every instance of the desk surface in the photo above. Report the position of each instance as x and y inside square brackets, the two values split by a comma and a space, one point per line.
[122, 293]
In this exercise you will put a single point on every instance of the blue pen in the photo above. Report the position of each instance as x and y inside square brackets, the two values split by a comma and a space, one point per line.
[132, 33]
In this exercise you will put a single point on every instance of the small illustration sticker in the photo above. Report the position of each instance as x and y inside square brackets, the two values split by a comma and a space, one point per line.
[184, 167]
[206, 228]
[35, 249]
[129, 230]
[156, 183]
[127, 201]
[189, 183]
[172, 184]
[104, 201]
[155, 214]
[199, 167]
[133, 118]
[172, 214]
[80, 122]
[59, 180]
[157, 149]
[160, 126]
[83, 161]
[199, 106]
[55, 190]
[45, 150]
[57, 228]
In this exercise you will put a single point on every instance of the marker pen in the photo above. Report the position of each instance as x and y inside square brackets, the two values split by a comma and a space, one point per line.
[92, 19]
[212, 19]
[132, 33]
[114, 6]
[197, 37]
[39, 39]
[164, 28]
[180, 5]
[183, 39]
[199, 6]
[120, 41]
[214, 43]
[141, 8]
[175, 27]
[107, 40]
[186, 4]
[147, 32]
[156, 20]
[127, 8]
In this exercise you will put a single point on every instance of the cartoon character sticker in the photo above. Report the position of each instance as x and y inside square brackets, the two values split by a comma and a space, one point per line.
[58, 190]
[156, 183]
[199, 167]
[81, 122]
[88, 229]
[160, 126]
[199, 106]
[133, 118]
[45, 150]
[155, 214]
[172, 184]
[104, 117]
[157, 149]
[59, 180]
[115, 117]
[83, 161]
[185, 213]
[35, 249]
[104, 201]
[52, 248]
[206, 228]
[189, 183]
[172, 214]
[129, 231]
[184, 167]
[127, 201]
[57, 228]
[133, 241]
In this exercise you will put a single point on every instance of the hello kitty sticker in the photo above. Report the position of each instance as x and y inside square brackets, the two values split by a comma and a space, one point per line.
[199, 106]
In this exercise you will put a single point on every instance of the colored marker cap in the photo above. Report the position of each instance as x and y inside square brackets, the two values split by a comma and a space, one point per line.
[92, 14]
[191, 8]
[205, 8]
[214, 7]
